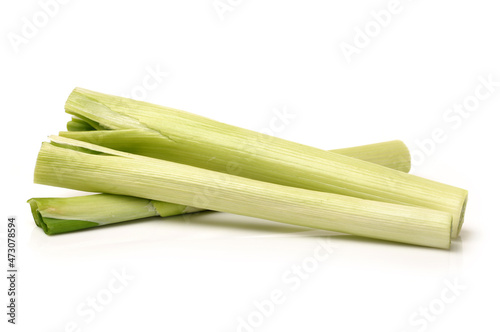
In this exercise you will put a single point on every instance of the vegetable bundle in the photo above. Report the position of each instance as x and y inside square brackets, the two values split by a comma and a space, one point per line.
[157, 154]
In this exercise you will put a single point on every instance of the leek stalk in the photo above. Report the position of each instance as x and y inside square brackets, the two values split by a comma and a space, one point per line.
[83, 166]
[67, 214]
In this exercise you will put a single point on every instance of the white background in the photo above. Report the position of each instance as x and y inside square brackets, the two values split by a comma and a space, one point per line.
[205, 272]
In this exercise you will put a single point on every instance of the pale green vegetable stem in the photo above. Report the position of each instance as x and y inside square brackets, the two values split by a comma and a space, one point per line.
[88, 167]
[61, 215]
